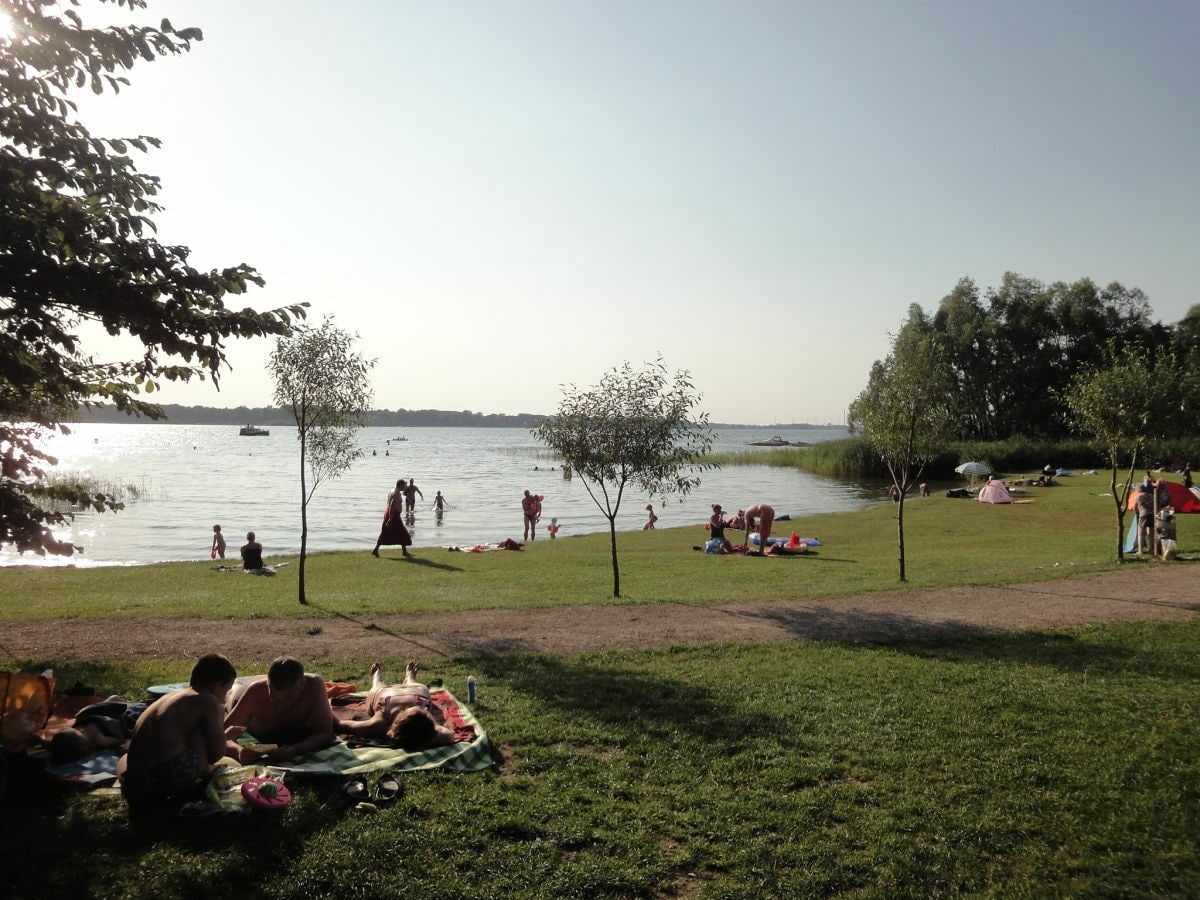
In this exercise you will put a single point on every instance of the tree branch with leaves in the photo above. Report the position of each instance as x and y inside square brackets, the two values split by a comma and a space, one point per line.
[322, 381]
[905, 411]
[77, 246]
[635, 428]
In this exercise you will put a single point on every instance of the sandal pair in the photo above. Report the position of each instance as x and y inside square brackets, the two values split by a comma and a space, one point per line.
[390, 786]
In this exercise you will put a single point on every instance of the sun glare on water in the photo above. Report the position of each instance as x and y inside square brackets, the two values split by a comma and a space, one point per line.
[6, 27]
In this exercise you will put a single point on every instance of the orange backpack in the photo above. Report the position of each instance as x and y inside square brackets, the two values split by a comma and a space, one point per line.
[26, 702]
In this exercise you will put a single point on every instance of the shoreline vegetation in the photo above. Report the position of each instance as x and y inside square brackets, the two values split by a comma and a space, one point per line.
[971, 761]
[176, 414]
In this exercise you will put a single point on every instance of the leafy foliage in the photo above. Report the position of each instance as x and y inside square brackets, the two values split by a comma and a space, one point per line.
[323, 383]
[634, 428]
[1122, 404]
[77, 248]
[904, 412]
[1012, 348]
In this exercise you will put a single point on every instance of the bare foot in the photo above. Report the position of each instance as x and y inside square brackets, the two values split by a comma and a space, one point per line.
[376, 668]
[410, 671]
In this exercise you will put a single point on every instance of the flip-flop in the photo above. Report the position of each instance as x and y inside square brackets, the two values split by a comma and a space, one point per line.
[356, 790]
[390, 786]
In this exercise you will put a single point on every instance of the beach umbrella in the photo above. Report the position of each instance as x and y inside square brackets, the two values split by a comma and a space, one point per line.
[973, 469]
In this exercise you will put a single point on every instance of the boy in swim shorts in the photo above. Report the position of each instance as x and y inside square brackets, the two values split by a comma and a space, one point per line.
[178, 740]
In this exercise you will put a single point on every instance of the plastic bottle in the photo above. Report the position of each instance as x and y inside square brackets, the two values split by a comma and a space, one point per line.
[470, 688]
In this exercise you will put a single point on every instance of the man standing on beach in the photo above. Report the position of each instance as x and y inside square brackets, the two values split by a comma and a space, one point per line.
[529, 511]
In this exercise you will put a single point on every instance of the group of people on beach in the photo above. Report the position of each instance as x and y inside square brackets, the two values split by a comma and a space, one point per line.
[401, 507]
[758, 518]
[251, 552]
[180, 739]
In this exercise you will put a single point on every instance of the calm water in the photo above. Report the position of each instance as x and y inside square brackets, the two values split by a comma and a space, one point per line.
[185, 478]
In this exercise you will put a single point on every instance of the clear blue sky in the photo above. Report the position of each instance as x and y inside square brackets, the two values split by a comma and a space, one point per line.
[501, 197]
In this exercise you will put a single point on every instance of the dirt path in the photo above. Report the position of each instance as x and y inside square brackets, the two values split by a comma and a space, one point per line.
[1142, 592]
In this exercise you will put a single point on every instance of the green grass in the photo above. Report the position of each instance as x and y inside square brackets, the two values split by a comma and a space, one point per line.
[1045, 763]
[1064, 530]
[1057, 763]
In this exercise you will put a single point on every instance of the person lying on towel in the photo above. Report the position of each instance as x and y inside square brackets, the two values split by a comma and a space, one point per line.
[288, 710]
[400, 713]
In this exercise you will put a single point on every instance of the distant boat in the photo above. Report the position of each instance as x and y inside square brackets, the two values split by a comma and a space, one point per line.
[253, 431]
[775, 441]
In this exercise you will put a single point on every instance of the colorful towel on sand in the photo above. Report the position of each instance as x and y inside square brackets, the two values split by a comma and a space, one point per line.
[471, 753]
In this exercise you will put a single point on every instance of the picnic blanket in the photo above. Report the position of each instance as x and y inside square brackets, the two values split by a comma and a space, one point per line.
[472, 751]
[94, 769]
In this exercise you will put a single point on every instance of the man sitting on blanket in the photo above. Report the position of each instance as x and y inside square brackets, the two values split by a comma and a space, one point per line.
[288, 710]
[400, 713]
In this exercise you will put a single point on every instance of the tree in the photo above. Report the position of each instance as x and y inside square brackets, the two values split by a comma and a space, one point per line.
[1011, 354]
[1121, 404]
[322, 382]
[77, 250]
[634, 428]
[905, 411]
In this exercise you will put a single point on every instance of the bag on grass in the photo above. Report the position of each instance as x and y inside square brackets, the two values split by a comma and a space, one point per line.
[26, 702]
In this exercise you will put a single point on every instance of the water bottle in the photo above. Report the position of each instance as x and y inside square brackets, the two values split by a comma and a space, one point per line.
[470, 688]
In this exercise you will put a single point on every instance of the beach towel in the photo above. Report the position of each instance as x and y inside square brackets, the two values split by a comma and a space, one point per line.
[472, 751]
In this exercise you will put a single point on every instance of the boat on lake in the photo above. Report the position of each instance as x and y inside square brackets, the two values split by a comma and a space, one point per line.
[777, 441]
[253, 431]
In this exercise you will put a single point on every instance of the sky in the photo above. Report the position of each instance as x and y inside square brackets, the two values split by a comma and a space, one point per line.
[502, 198]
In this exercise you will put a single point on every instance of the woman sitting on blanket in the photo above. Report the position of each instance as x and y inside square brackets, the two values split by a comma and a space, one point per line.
[400, 713]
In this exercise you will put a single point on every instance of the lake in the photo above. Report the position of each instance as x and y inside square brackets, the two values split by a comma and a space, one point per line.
[178, 480]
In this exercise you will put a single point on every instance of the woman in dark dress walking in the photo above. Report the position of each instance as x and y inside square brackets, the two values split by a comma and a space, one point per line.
[393, 531]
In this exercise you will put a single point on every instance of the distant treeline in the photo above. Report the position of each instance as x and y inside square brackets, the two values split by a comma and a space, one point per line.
[269, 415]
[382, 418]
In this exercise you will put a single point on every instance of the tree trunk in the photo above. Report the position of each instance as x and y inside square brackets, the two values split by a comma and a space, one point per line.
[303, 520]
[900, 533]
[612, 535]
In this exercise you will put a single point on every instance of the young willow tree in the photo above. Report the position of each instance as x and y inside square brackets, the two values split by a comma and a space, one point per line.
[635, 428]
[1120, 405]
[78, 252]
[905, 411]
[323, 383]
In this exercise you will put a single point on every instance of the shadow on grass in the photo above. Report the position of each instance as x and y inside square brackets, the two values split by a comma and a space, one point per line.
[421, 561]
[408, 639]
[68, 851]
[609, 694]
[1067, 649]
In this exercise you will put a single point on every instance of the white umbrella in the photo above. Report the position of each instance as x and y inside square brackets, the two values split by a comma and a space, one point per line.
[973, 468]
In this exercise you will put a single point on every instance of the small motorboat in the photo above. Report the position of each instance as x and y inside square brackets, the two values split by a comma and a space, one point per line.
[253, 431]
[775, 441]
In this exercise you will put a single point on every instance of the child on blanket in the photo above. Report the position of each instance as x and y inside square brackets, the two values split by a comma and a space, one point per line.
[400, 713]
[105, 725]
[178, 740]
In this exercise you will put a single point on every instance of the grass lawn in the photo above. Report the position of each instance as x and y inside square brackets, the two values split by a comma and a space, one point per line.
[1061, 530]
[1056, 763]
